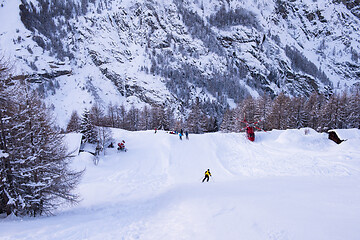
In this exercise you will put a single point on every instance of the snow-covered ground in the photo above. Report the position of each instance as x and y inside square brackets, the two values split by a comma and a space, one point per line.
[285, 185]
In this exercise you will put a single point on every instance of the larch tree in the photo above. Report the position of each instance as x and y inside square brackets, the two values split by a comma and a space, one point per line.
[157, 115]
[41, 178]
[74, 123]
[262, 111]
[329, 113]
[168, 119]
[96, 114]
[111, 115]
[228, 122]
[197, 121]
[132, 119]
[145, 119]
[120, 116]
[354, 111]
[7, 98]
[297, 115]
[278, 117]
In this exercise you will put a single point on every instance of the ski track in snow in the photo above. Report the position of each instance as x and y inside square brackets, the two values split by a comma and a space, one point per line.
[285, 185]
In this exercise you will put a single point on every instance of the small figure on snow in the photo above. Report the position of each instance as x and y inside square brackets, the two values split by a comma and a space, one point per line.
[187, 135]
[155, 130]
[207, 175]
[121, 146]
[111, 145]
[180, 136]
[98, 149]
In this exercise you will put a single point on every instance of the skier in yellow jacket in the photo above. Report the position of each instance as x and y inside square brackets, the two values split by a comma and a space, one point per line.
[207, 175]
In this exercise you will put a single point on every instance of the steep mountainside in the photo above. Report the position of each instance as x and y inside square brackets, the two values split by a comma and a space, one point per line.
[170, 52]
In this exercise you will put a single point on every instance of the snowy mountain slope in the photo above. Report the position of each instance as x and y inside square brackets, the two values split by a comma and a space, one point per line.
[285, 185]
[169, 52]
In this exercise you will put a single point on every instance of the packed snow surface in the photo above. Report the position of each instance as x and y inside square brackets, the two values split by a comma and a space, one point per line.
[285, 185]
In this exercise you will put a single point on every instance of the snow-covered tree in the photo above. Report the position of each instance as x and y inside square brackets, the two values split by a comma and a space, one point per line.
[7, 106]
[104, 137]
[87, 128]
[38, 176]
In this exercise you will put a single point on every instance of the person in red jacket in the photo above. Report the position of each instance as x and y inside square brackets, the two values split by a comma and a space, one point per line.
[121, 145]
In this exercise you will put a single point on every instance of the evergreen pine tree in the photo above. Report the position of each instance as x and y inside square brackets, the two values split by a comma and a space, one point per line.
[87, 128]
[344, 111]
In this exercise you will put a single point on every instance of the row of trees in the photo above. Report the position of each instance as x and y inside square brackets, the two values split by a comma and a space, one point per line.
[284, 112]
[91, 122]
[34, 163]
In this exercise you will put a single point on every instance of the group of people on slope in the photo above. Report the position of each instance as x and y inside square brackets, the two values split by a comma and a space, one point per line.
[121, 146]
[181, 134]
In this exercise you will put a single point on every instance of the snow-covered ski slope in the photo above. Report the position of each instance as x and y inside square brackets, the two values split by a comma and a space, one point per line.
[284, 186]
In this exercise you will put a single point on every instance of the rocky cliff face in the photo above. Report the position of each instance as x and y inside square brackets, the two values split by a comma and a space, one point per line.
[170, 52]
